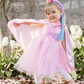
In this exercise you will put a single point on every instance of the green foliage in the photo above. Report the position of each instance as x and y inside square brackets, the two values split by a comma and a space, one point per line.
[79, 60]
[6, 64]
[73, 74]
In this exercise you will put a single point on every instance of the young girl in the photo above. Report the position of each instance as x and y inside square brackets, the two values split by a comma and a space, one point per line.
[46, 44]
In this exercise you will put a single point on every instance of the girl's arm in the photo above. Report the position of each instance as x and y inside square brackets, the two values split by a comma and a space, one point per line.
[32, 24]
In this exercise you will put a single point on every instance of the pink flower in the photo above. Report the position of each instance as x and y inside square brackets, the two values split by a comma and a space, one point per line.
[48, 1]
[8, 79]
[0, 80]
[60, 78]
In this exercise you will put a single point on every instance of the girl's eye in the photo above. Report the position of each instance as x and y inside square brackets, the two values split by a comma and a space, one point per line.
[48, 13]
[53, 12]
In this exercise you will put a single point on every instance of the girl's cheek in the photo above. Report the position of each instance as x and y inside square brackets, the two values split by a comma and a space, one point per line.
[48, 17]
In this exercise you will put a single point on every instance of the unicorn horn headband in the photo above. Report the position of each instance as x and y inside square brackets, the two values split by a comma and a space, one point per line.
[61, 35]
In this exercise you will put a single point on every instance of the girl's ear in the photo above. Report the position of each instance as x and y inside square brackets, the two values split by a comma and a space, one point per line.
[61, 12]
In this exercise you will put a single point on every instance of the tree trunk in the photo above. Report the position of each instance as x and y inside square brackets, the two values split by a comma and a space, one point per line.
[5, 16]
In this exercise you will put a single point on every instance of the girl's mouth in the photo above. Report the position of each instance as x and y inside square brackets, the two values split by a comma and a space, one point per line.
[52, 18]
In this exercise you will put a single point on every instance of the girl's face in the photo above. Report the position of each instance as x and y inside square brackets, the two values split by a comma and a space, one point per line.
[54, 14]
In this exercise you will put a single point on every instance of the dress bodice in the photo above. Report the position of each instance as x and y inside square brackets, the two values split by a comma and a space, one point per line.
[52, 30]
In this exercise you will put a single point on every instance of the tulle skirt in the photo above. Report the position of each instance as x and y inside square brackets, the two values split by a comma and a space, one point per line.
[43, 56]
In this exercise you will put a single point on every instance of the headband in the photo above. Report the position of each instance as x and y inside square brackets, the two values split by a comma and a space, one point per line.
[61, 35]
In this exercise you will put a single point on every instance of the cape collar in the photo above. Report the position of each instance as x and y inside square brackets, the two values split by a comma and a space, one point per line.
[56, 24]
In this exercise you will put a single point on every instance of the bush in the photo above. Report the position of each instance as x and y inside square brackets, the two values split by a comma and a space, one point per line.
[77, 39]
[6, 65]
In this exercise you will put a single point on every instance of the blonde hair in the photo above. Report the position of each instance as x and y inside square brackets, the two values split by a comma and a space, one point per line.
[48, 6]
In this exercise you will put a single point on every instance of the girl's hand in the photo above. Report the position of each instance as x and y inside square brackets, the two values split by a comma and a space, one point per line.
[16, 24]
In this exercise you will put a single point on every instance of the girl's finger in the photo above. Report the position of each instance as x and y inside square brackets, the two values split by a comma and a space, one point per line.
[16, 24]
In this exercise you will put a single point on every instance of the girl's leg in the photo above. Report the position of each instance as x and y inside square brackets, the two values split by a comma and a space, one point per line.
[37, 79]
[66, 75]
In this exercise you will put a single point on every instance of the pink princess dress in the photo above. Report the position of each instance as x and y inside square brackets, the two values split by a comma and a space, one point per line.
[43, 52]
